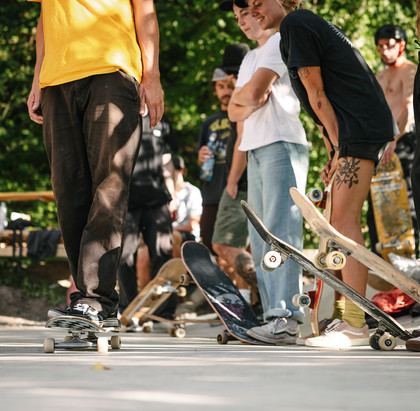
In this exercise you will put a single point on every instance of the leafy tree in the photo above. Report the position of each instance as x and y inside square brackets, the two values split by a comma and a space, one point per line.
[193, 36]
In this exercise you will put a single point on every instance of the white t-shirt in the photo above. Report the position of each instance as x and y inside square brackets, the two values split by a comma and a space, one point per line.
[278, 119]
[189, 202]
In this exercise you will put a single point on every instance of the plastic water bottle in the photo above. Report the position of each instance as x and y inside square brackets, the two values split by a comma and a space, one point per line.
[206, 172]
[3, 216]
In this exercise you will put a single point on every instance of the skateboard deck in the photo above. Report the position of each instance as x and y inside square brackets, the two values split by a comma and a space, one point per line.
[82, 335]
[350, 247]
[391, 211]
[167, 281]
[221, 293]
[388, 328]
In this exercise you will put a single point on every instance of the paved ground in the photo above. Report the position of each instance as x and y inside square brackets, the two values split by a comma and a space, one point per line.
[158, 372]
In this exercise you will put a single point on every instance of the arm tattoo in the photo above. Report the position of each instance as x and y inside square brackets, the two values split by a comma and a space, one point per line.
[347, 172]
[303, 73]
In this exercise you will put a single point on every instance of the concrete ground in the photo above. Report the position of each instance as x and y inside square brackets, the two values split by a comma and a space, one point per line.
[158, 372]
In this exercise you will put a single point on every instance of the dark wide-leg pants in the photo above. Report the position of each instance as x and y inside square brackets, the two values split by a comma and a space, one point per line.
[92, 132]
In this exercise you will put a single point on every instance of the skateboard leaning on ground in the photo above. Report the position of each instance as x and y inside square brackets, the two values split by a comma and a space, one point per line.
[167, 281]
[323, 200]
[220, 292]
[391, 211]
[82, 335]
[388, 329]
[341, 247]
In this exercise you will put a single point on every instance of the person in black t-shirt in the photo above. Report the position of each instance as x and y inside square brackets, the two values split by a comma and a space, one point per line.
[341, 94]
[215, 131]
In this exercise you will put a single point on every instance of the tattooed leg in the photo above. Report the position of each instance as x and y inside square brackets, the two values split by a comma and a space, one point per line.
[347, 172]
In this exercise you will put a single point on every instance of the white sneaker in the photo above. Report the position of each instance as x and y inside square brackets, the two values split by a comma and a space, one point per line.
[340, 334]
[279, 331]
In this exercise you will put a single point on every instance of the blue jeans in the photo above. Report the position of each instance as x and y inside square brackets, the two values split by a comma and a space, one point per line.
[272, 170]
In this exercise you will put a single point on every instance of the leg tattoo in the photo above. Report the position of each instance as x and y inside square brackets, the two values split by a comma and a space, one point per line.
[347, 172]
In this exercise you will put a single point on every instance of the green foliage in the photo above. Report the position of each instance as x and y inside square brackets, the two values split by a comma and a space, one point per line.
[193, 36]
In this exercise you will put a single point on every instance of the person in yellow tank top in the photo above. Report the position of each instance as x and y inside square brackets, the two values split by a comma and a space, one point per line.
[96, 73]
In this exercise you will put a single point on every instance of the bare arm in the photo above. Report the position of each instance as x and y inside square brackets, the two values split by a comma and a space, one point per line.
[147, 30]
[256, 88]
[237, 112]
[34, 99]
[312, 81]
[407, 79]
[238, 166]
[418, 18]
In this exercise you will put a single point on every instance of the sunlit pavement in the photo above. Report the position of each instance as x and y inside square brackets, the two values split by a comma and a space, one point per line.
[155, 371]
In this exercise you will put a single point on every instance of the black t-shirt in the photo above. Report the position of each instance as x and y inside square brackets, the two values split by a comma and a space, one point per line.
[148, 188]
[230, 147]
[359, 103]
[218, 123]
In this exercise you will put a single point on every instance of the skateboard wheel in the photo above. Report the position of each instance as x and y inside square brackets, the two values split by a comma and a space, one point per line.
[147, 329]
[102, 343]
[271, 261]
[387, 342]
[180, 333]
[374, 341]
[315, 195]
[379, 248]
[336, 260]
[223, 338]
[49, 345]
[182, 292]
[158, 290]
[321, 261]
[115, 342]
[185, 279]
[301, 300]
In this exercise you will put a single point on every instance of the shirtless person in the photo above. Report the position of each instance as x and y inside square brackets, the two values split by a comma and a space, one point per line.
[397, 81]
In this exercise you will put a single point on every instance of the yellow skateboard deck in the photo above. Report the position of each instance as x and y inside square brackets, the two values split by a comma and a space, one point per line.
[391, 211]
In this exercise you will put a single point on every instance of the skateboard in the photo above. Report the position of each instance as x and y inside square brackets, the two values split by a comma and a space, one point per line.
[82, 335]
[322, 199]
[391, 211]
[167, 281]
[388, 329]
[222, 295]
[343, 247]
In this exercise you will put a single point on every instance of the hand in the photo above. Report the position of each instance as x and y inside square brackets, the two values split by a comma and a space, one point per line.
[204, 154]
[389, 152]
[329, 169]
[34, 104]
[151, 99]
[232, 189]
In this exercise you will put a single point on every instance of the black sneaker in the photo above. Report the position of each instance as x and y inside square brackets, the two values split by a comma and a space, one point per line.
[86, 311]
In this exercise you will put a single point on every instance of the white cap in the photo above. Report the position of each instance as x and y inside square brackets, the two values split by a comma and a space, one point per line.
[218, 74]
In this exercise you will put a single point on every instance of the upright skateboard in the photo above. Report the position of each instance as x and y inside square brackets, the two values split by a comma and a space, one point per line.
[388, 328]
[322, 199]
[342, 247]
[391, 211]
[167, 282]
[221, 293]
[82, 335]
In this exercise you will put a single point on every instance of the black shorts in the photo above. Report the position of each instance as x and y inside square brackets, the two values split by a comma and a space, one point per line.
[364, 151]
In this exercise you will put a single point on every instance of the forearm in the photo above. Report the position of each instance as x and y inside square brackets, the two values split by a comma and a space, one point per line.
[147, 30]
[239, 159]
[237, 112]
[418, 18]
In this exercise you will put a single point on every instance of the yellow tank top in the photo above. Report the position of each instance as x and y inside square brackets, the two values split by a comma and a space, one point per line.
[88, 37]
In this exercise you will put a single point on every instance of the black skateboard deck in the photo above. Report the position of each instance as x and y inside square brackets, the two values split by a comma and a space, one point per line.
[220, 292]
[82, 335]
[388, 328]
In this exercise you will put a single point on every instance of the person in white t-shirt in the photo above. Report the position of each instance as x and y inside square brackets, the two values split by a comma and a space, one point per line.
[278, 159]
